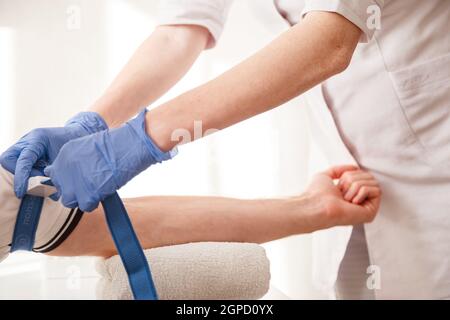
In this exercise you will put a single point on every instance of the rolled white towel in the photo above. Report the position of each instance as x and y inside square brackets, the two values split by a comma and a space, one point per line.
[208, 270]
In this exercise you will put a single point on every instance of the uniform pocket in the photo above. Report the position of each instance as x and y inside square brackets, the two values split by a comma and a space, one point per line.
[424, 96]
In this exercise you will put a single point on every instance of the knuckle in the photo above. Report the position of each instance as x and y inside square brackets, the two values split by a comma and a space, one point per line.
[87, 206]
[377, 192]
[344, 182]
[346, 175]
[347, 186]
[358, 184]
[39, 132]
[351, 175]
[66, 199]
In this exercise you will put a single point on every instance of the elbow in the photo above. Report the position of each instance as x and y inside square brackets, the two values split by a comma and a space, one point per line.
[184, 36]
[339, 59]
[340, 53]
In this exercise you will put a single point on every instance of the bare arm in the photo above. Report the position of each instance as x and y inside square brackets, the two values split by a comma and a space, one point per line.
[304, 56]
[154, 68]
[162, 221]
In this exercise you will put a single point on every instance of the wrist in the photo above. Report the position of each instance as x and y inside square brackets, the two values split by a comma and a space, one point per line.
[158, 129]
[139, 126]
[89, 122]
[307, 213]
[114, 108]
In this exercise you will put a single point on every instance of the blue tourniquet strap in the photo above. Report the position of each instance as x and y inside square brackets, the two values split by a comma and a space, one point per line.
[27, 223]
[122, 232]
[129, 249]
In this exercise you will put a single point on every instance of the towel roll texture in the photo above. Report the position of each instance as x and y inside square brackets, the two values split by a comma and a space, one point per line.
[195, 271]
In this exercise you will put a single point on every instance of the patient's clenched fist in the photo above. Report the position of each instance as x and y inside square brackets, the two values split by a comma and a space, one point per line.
[358, 185]
[354, 199]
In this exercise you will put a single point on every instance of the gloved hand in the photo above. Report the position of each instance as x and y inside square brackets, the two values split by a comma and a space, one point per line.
[39, 148]
[89, 169]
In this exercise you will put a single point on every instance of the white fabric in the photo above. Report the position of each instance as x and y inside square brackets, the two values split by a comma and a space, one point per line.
[356, 11]
[210, 270]
[353, 271]
[391, 109]
[290, 10]
[329, 246]
[392, 113]
[53, 216]
[210, 14]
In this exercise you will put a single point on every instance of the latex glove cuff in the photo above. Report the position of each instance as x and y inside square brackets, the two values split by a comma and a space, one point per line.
[91, 122]
[158, 155]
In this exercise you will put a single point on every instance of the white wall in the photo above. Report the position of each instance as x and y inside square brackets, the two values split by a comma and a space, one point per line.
[51, 67]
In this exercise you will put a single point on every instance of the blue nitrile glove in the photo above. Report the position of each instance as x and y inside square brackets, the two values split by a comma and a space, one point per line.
[89, 169]
[39, 148]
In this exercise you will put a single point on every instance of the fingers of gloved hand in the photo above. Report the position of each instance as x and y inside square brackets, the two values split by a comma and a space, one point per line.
[68, 201]
[8, 159]
[88, 198]
[48, 172]
[366, 192]
[83, 199]
[55, 197]
[68, 198]
[65, 196]
[28, 157]
[86, 203]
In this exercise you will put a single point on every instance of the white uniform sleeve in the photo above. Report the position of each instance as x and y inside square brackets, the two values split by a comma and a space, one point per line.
[363, 13]
[211, 14]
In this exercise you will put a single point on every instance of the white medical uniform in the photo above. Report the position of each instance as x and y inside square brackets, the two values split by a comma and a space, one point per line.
[391, 111]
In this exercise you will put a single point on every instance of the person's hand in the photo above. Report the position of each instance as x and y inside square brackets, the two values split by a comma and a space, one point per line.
[355, 199]
[39, 148]
[89, 169]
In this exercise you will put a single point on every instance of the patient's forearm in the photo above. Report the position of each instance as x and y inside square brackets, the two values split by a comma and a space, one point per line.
[155, 67]
[162, 221]
[307, 54]
[174, 220]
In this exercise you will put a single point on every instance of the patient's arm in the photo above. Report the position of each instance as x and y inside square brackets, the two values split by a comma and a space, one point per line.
[161, 221]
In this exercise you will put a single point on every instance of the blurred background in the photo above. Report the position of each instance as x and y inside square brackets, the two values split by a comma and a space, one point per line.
[57, 57]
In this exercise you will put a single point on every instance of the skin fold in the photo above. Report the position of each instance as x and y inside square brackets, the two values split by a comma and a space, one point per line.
[162, 221]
